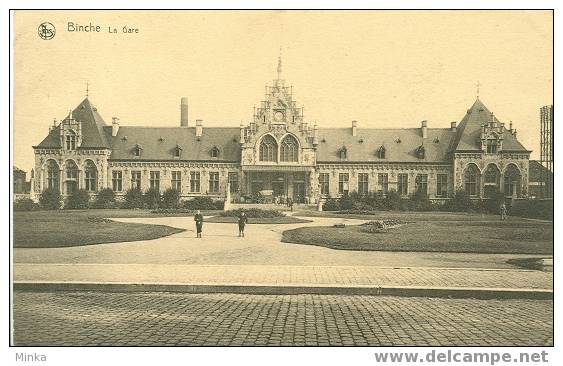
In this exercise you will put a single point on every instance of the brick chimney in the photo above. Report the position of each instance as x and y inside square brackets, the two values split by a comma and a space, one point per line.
[424, 129]
[198, 127]
[454, 126]
[184, 112]
[114, 126]
[354, 128]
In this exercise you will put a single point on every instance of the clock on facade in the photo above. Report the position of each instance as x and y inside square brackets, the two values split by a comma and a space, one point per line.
[279, 116]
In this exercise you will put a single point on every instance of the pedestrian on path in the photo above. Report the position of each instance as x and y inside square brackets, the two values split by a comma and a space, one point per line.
[198, 218]
[503, 211]
[242, 221]
[290, 203]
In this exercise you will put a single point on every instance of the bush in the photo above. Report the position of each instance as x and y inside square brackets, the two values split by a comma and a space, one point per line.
[105, 198]
[331, 204]
[347, 202]
[492, 205]
[79, 199]
[536, 209]
[460, 202]
[420, 202]
[253, 213]
[152, 198]
[50, 199]
[134, 199]
[203, 203]
[393, 200]
[170, 198]
[374, 227]
[25, 204]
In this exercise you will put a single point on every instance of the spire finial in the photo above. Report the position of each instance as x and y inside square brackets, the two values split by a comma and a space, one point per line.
[280, 64]
[87, 88]
[478, 85]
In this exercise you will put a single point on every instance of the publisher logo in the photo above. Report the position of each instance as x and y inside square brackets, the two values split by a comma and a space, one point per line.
[46, 31]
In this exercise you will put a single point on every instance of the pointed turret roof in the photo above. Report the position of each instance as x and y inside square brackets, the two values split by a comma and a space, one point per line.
[469, 131]
[92, 128]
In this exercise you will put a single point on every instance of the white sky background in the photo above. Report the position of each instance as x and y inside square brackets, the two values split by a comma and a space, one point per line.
[385, 69]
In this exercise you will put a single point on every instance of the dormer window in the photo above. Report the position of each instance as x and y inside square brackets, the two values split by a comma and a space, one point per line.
[343, 153]
[215, 152]
[70, 141]
[381, 152]
[177, 151]
[137, 150]
[420, 152]
[492, 146]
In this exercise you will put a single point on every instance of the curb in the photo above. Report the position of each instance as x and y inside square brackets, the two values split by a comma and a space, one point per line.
[266, 289]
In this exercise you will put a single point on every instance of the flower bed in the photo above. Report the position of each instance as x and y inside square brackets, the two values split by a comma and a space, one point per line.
[380, 226]
[254, 213]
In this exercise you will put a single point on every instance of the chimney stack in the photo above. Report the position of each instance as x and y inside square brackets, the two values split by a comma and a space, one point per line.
[354, 128]
[315, 135]
[114, 126]
[198, 127]
[454, 126]
[242, 133]
[510, 128]
[424, 129]
[184, 112]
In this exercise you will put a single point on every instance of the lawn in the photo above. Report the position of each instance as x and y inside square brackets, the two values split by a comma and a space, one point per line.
[258, 220]
[434, 232]
[49, 229]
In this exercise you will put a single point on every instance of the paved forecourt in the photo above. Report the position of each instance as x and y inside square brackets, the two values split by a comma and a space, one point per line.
[174, 319]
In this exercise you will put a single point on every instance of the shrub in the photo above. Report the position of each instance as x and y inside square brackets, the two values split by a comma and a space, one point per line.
[203, 203]
[460, 202]
[133, 199]
[347, 202]
[79, 199]
[25, 204]
[393, 200]
[105, 198]
[253, 213]
[537, 209]
[494, 202]
[170, 198]
[374, 227]
[420, 202]
[152, 198]
[331, 204]
[50, 199]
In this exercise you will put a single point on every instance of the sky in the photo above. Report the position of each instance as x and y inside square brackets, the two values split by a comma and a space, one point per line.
[385, 69]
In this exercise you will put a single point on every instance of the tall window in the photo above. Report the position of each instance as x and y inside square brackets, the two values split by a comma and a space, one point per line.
[363, 183]
[155, 181]
[403, 184]
[137, 150]
[135, 179]
[289, 149]
[177, 151]
[343, 153]
[512, 179]
[383, 183]
[177, 180]
[215, 152]
[491, 146]
[71, 182]
[117, 180]
[194, 182]
[268, 149]
[70, 140]
[421, 182]
[381, 152]
[233, 182]
[420, 152]
[324, 179]
[52, 175]
[90, 176]
[213, 182]
[343, 179]
[491, 180]
[441, 185]
[471, 180]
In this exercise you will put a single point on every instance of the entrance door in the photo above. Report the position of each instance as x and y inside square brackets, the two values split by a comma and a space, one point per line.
[278, 188]
[299, 192]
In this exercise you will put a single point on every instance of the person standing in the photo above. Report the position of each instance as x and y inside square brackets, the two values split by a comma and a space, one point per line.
[242, 221]
[290, 203]
[198, 218]
[503, 211]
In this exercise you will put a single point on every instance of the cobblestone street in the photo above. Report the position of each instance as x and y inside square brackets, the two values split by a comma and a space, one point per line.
[160, 319]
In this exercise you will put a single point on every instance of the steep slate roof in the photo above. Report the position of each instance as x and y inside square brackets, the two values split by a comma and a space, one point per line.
[363, 147]
[92, 128]
[158, 143]
[536, 170]
[469, 131]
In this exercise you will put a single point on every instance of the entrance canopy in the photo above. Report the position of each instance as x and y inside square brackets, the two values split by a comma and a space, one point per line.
[276, 168]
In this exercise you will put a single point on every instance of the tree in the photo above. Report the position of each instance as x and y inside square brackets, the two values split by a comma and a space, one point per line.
[134, 198]
[78, 199]
[105, 198]
[171, 198]
[152, 198]
[50, 199]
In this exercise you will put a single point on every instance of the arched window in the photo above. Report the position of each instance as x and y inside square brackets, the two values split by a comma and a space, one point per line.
[289, 149]
[471, 180]
[268, 149]
[381, 152]
[177, 151]
[343, 153]
[90, 176]
[71, 179]
[215, 152]
[52, 175]
[137, 150]
[70, 140]
[512, 180]
[491, 180]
